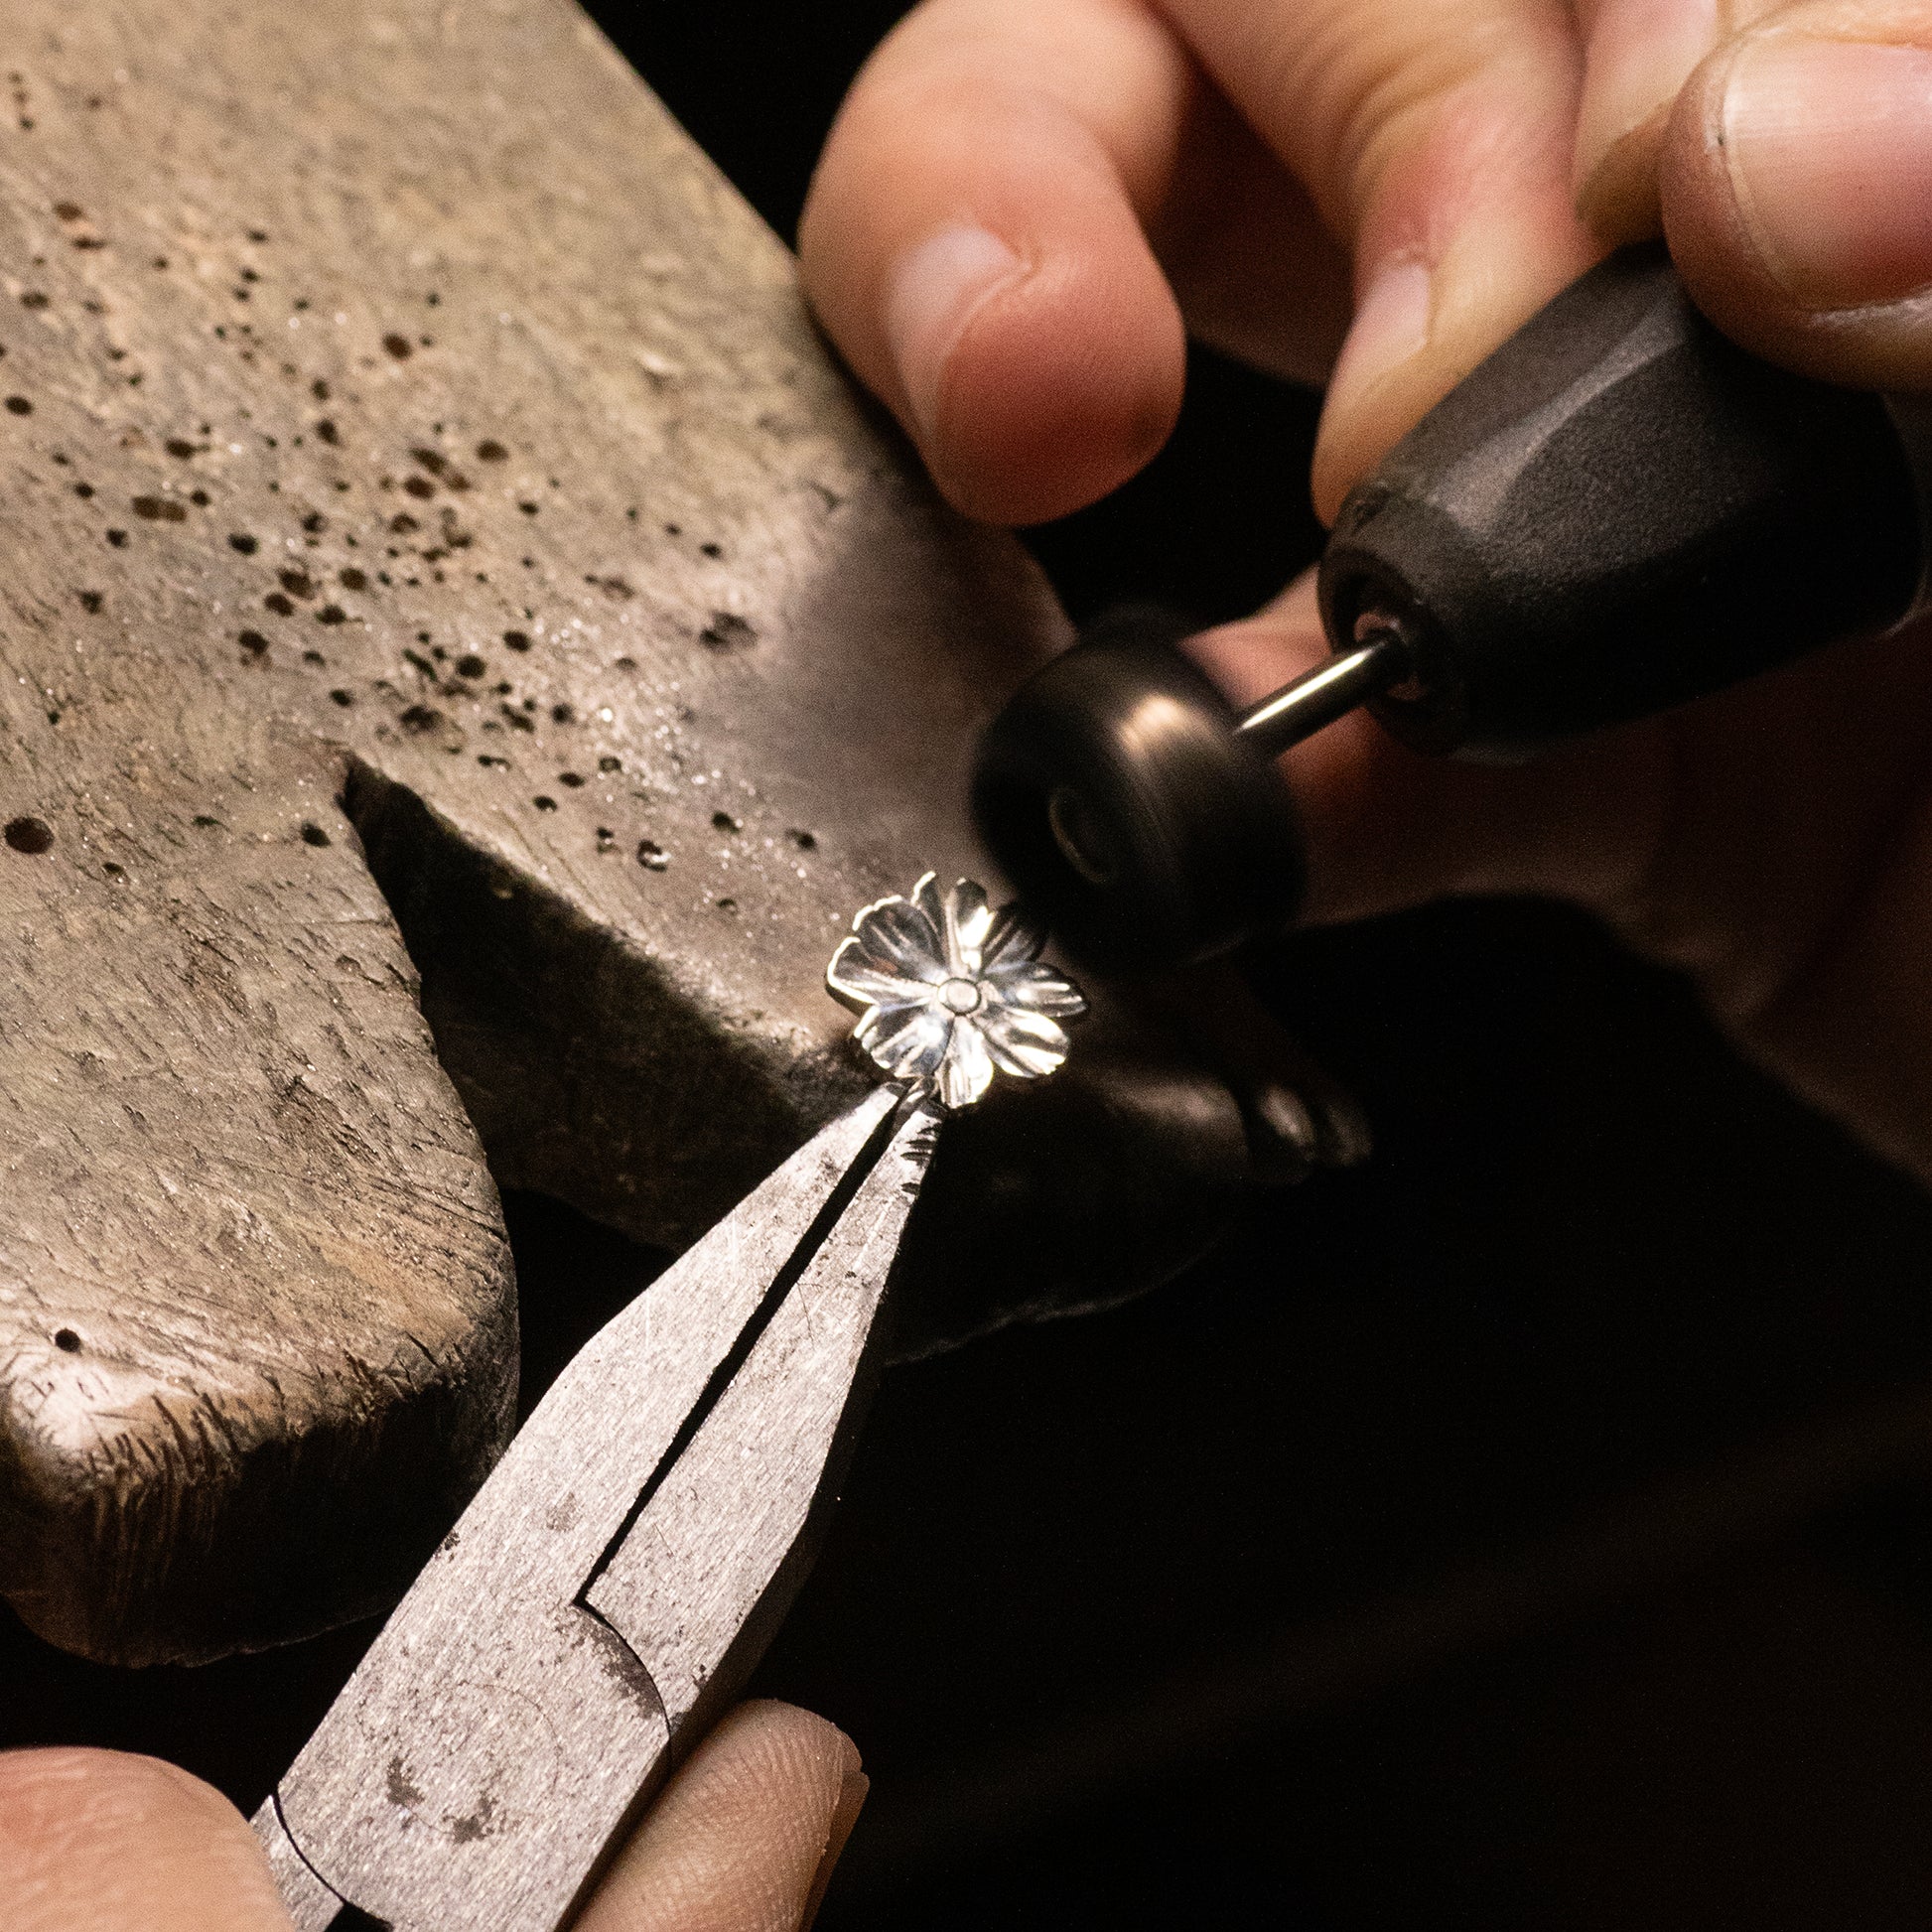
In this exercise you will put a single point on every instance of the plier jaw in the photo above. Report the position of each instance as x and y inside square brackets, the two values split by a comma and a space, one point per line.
[617, 1574]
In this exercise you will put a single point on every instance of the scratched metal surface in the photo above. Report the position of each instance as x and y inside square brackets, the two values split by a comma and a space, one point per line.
[526, 1694]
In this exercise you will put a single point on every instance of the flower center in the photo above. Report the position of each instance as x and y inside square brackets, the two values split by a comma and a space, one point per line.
[959, 996]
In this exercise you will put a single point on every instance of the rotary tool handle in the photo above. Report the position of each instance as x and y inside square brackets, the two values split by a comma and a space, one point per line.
[1617, 511]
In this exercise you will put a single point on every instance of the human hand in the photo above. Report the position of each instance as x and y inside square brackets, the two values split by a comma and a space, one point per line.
[742, 1840]
[1022, 199]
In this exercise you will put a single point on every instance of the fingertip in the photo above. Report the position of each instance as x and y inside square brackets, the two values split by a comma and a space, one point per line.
[75, 1785]
[1422, 325]
[854, 1789]
[932, 295]
[973, 245]
[1384, 380]
[745, 1834]
[1616, 193]
[1703, 225]
[1470, 229]
[1062, 383]
[94, 1838]
[781, 1744]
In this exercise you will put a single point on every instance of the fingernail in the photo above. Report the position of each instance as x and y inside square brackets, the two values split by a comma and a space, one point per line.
[1641, 51]
[1391, 324]
[935, 287]
[1829, 145]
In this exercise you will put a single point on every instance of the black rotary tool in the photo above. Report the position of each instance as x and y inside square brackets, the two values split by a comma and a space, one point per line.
[1618, 512]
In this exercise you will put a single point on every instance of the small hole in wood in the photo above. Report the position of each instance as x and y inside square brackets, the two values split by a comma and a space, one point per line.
[28, 835]
[313, 834]
[66, 1342]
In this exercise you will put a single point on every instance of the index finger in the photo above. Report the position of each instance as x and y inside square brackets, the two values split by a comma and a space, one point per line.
[974, 242]
[1435, 137]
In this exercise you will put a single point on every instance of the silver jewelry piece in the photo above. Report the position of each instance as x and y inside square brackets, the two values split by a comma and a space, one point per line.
[947, 989]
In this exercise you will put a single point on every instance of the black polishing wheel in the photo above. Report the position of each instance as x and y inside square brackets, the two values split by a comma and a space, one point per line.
[1116, 795]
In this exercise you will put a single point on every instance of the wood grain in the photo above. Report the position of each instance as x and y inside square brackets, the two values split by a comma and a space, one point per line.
[436, 541]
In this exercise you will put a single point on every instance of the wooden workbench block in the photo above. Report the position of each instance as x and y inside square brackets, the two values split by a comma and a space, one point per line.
[435, 534]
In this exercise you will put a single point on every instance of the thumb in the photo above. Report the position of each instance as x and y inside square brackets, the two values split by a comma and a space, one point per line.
[98, 1842]
[1793, 190]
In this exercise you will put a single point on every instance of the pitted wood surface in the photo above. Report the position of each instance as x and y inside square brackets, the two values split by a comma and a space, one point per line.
[433, 533]
[399, 413]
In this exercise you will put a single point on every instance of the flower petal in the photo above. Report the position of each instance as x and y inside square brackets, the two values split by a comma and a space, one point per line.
[1011, 939]
[1026, 1043]
[1033, 986]
[858, 984]
[896, 937]
[911, 1043]
[968, 920]
[902, 953]
[967, 1070]
[927, 896]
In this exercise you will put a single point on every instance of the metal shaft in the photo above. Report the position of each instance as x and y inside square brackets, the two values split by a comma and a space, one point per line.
[1330, 691]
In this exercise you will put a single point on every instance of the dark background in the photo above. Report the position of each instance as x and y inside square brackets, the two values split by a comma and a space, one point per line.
[1528, 1530]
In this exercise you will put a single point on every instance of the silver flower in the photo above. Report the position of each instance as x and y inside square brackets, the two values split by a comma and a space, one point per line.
[950, 990]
